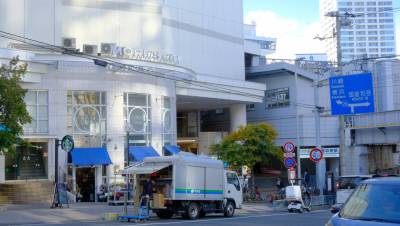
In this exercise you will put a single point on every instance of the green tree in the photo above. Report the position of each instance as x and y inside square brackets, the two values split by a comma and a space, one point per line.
[13, 113]
[249, 145]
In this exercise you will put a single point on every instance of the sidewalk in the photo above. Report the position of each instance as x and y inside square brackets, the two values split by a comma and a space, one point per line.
[83, 212]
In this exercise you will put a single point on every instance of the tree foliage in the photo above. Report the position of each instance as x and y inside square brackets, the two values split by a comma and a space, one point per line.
[13, 112]
[248, 146]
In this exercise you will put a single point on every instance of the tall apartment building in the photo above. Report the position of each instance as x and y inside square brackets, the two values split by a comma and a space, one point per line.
[371, 33]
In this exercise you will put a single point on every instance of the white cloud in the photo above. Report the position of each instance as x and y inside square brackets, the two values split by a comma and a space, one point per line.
[292, 36]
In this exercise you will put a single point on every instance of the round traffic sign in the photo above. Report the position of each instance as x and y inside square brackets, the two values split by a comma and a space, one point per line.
[289, 162]
[67, 143]
[289, 147]
[316, 155]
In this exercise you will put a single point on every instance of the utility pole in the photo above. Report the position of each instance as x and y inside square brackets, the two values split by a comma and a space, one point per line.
[342, 138]
[298, 159]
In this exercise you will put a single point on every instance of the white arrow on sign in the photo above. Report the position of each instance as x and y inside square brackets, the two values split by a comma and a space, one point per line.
[353, 106]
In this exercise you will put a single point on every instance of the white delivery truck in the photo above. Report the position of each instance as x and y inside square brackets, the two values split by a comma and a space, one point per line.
[187, 185]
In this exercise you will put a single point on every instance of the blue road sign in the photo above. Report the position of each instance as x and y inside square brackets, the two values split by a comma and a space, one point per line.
[289, 162]
[352, 94]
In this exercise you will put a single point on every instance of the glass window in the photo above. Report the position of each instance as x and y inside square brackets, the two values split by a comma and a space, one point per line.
[232, 179]
[86, 117]
[37, 106]
[359, 9]
[373, 38]
[137, 118]
[359, 3]
[372, 32]
[277, 97]
[372, 21]
[372, 26]
[360, 26]
[387, 38]
[371, 3]
[371, 9]
[373, 50]
[167, 121]
[373, 202]
[250, 107]
[373, 44]
[361, 38]
[360, 32]
[361, 44]
[386, 21]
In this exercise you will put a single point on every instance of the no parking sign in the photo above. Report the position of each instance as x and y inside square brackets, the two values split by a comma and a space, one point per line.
[316, 155]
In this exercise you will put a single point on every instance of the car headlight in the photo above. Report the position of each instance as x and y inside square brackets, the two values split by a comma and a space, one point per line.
[329, 223]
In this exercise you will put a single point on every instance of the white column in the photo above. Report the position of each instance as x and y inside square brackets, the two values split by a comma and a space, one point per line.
[2, 168]
[74, 178]
[237, 116]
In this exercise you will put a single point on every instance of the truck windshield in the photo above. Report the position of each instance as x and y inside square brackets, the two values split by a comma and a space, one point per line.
[372, 202]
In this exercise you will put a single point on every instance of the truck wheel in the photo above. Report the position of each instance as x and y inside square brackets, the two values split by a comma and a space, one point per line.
[164, 214]
[229, 209]
[193, 211]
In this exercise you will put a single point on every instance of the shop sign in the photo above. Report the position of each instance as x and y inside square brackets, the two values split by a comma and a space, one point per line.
[144, 55]
[328, 152]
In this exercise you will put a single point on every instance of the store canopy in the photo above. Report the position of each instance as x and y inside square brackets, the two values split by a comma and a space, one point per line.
[172, 149]
[90, 156]
[145, 168]
[140, 152]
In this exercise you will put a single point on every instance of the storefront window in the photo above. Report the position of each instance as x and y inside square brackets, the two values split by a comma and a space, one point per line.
[27, 162]
[37, 106]
[137, 111]
[87, 117]
[167, 132]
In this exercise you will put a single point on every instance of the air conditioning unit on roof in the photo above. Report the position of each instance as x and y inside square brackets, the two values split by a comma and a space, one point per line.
[107, 48]
[69, 43]
[90, 49]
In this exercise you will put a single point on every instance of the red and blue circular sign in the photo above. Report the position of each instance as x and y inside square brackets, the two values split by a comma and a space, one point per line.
[289, 162]
[289, 147]
[316, 155]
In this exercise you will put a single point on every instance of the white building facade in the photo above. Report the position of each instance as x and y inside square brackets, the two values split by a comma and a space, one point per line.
[180, 56]
[371, 33]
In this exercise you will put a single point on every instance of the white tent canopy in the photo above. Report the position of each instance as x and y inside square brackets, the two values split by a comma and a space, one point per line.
[145, 168]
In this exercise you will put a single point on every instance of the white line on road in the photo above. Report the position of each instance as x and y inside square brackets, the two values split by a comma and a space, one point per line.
[222, 219]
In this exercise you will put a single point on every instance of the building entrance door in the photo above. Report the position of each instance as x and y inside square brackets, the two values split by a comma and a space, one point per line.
[85, 182]
[27, 162]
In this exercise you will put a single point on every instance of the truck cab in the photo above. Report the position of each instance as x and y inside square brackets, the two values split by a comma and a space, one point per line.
[233, 189]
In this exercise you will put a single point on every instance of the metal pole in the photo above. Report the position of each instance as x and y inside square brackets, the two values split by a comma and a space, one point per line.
[342, 144]
[56, 160]
[297, 124]
[321, 165]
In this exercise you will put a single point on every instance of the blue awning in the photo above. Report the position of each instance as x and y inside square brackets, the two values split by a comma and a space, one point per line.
[140, 152]
[171, 149]
[90, 156]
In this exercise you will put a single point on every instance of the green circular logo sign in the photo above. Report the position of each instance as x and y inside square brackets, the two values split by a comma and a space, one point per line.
[67, 143]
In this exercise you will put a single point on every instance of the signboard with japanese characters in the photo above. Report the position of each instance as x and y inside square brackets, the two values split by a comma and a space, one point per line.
[352, 94]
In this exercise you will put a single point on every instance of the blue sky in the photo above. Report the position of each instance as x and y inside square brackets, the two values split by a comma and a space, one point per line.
[294, 23]
[304, 10]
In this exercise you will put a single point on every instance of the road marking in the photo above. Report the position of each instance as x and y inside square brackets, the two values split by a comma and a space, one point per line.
[224, 219]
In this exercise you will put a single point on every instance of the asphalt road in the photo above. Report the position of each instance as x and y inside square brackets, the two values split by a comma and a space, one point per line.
[314, 218]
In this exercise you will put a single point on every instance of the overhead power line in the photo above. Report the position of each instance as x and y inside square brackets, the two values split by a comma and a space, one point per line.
[101, 61]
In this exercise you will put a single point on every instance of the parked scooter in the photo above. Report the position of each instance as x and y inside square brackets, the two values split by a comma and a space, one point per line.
[294, 195]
